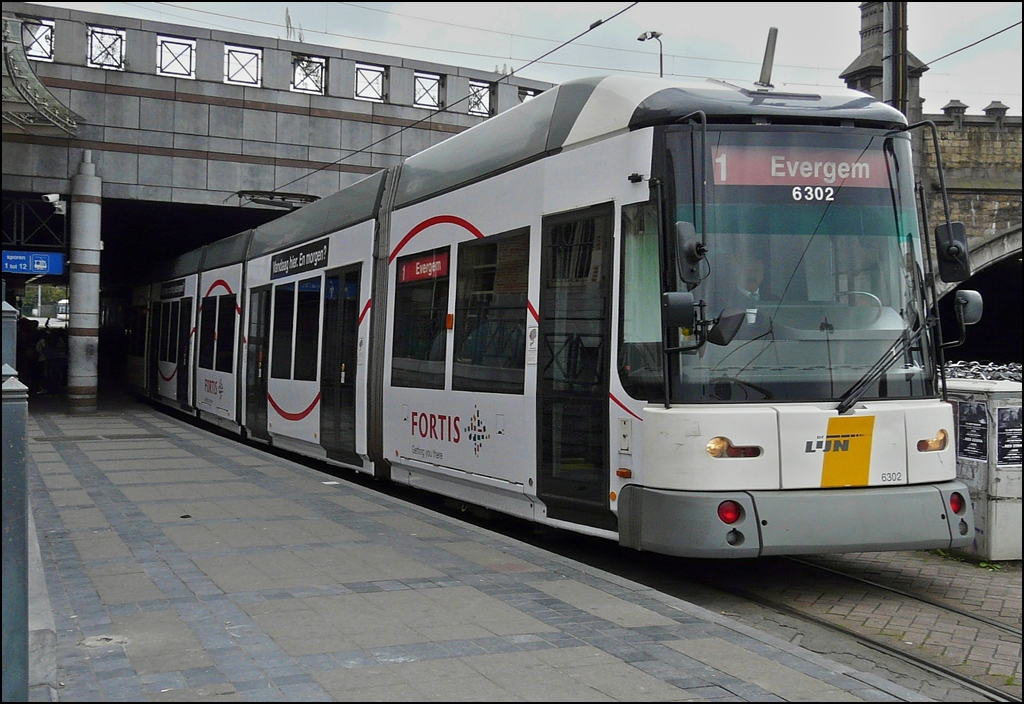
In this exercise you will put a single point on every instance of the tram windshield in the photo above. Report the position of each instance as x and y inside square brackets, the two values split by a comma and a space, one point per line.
[812, 238]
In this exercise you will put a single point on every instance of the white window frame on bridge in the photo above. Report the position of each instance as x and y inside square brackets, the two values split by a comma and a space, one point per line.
[480, 98]
[371, 83]
[243, 65]
[176, 57]
[427, 89]
[527, 94]
[106, 48]
[37, 38]
[309, 74]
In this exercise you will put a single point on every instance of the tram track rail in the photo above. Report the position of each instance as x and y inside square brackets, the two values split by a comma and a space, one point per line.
[931, 665]
[999, 625]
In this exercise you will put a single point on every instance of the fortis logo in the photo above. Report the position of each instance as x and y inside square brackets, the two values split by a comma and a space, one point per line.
[831, 443]
[477, 431]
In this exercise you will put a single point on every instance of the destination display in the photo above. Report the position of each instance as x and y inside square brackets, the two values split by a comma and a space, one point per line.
[432, 266]
[306, 257]
[172, 289]
[807, 168]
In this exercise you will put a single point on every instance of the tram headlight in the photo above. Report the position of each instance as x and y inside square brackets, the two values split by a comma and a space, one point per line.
[934, 444]
[723, 447]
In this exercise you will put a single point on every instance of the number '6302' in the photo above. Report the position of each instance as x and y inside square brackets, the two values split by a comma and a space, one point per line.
[825, 193]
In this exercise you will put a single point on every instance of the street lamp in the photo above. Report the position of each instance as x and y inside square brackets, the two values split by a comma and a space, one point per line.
[661, 60]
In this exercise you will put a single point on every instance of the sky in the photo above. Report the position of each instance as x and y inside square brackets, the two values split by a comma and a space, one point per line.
[726, 40]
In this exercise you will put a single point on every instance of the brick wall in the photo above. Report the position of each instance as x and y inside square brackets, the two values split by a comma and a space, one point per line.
[981, 156]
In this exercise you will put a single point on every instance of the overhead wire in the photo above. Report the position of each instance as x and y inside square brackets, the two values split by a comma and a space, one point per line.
[963, 48]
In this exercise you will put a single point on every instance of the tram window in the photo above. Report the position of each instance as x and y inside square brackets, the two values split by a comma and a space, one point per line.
[207, 332]
[573, 250]
[284, 317]
[165, 327]
[173, 324]
[640, 335]
[226, 333]
[490, 314]
[421, 305]
[307, 330]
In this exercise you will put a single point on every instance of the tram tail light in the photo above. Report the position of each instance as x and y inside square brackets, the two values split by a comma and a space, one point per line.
[957, 503]
[723, 447]
[934, 444]
[729, 512]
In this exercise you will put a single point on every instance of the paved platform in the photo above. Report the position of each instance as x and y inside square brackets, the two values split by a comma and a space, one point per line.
[185, 566]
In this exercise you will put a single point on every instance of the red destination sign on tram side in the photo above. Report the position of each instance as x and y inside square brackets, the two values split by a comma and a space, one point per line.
[430, 267]
[839, 168]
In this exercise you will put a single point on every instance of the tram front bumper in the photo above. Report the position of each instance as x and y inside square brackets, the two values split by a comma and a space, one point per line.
[686, 524]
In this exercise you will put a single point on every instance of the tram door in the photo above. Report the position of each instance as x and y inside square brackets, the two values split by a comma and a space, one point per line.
[184, 347]
[573, 364]
[257, 367]
[338, 365]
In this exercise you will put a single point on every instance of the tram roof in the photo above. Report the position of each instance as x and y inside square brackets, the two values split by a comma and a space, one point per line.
[347, 207]
[580, 111]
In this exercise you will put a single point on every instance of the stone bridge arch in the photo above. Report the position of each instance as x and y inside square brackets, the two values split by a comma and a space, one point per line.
[986, 251]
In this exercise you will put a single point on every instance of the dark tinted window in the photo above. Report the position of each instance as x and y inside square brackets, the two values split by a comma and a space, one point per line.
[207, 332]
[490, 314]
[281, 345]
[226, 312]
[421, 306]
[307, 329]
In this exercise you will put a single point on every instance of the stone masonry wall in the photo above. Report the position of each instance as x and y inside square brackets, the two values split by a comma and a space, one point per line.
[981, 156]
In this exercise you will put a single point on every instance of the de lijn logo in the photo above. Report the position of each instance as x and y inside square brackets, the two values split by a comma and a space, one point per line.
[831, 443]
[476, 431]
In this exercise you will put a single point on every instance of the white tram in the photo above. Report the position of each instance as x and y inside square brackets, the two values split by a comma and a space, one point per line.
[691, 317]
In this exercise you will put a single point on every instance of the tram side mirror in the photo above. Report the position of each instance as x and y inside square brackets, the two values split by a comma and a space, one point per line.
[677, 310]
[726, 327]
[951, 248]
[690, 252]
[968, 306]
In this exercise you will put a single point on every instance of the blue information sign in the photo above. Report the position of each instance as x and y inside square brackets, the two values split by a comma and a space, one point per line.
[33, 263]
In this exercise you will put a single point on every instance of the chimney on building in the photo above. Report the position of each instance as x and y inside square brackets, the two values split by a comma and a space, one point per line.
[866, 71]
[956, 110]
[997, 110]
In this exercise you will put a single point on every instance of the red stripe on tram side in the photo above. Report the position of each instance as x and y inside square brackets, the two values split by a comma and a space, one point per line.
[430, 222]
[621, 405]
[293, 416]
[219, 282]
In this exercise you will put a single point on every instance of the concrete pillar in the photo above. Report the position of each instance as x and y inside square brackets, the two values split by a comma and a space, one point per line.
[84, 323]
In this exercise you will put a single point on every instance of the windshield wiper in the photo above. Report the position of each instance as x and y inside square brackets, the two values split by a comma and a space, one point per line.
[880, 367]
